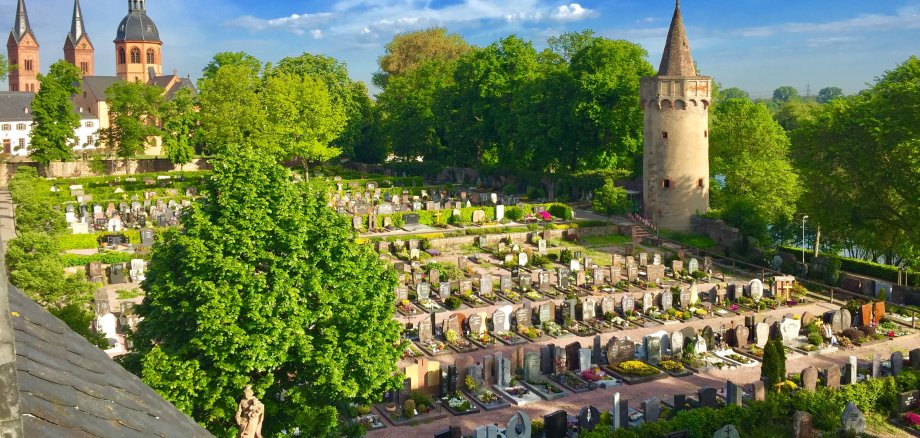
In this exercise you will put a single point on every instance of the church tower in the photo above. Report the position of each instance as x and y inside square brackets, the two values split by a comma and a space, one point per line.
[78, 49]
[676, 147]
[22, 50]
[138, 47]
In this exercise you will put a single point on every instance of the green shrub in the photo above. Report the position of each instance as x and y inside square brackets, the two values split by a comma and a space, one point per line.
[514, 213]
[409, 409]
[560, 211]
[815, 339]
[566, 256]
[108, 258]
[452, 303]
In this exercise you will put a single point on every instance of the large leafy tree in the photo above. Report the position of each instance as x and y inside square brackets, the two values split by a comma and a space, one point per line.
[302, 118]
[749, 155]
[828, 94]
[860, 158]
[408, 51]
[785, 93]
[284, 299]
[180, 118]
[133, 108]
[231, 109]
[54, 119]
[230, 58]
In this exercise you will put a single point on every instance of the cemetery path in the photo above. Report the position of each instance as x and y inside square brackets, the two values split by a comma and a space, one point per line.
[661, 389]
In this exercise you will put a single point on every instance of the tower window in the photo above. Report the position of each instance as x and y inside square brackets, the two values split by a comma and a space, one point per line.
[664, 135]
[151, 57]
[84, 67]
[135, 56]
[666, 183]
[700, 183]
[28, 65]
[121, 56]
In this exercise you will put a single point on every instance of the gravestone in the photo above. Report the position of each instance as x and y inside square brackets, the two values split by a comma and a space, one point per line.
[572, 356]
[707, 397]
[476, 324]
[453, 322]
[853, 421]
[628, 304]
[897, 363]
[876, 365]
[500, 321]
[756, 289]
[651, 410]
[789, 329]
[546, 358]
[624, 413]
[522, 259]
[560, 360]
[444, 291]
[608, 306]
[908, 401]
[588, 418]
[802, 425]
[632, 273]
[677, 266]
[616, 274]
[656, 258]
[519, 426]
[425, 334]
[466, 287]
[677, 343]
[666, 300]
[525, 282]
[505, 284]
[545, 312]
[865, 313]
[597, 352]
[597, 276]
[653, 349]
[532, 366]
[620, 350]
[742, 335]
[423, 291]
[707, 264]
[878, 312]
[851, 366]
[555, 425]
[568, 310]
[809, 378]
[727, 431]
[643, 259]
[654, 273]
[562, 278]
[761, 334]
[914, 357]
[760, 393]
[807, 318]
[541, 247]
[733, 394]
[580, 279]
[402, 293]
[647, 302]
[485, 284]
[588, 309]
[693, 266]
[680, 403]
[584, 359]
[522, 316]
[685, 299]
[832, 379]
[434, 276]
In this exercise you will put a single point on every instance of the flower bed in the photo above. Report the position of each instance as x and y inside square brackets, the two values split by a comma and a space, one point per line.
[482, 341]
[533, 296]
[554, 330]
[532, 334]
[601, 326]
[519, 394]
[435, 348]
[509, 338]
[488, 399]
[635, 372]
[736, 359]
[512, 296]
[546, 390]
[430, 306]
[406, 308]
[674, 368]
[579, 329]
[572, 382]
[458, 404]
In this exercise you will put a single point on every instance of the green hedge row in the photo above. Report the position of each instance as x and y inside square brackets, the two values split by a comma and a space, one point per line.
[91, 241]
[860, 267]
[108, 258]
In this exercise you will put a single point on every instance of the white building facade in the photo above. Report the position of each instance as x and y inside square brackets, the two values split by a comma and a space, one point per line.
[16, 126]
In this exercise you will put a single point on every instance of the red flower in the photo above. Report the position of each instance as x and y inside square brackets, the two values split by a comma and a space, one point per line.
[912, 418]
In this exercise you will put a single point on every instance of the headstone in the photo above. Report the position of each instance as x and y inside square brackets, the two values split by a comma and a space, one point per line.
[733, 394]
[651, 410]
[851, 367]
[802, 425]
[519, 426]
[632, 273]
[666, 300]
[656, 258]
[914, 357]
[423, 291]
[707, 397]
[531, 366]
[908, 400]
[727, 431]
[846, 319]
[807, 318]
[756, 289]
[444, 291]
[546, 359]
[693, 266]
[425, 331]
[500, 321]
[476, 323]
[555, 425]
[789, 329]
[742, 335]
[876, 366]
[647, 302]
[809, 378]
[588, 309]
[833, 377]
[686, 299]
[853, 421]
[584, 359]
[897, 363]
[677, 266]
[760, 393]
[677, 343]
[572, 356]
[615, 412]
[761, 334]
[588, 418]
[523, 318]
[541, 247]
[608, 306]
[654, 273]
[545, 312]
[597, 352]
[643, 259]
[865, 313]
[628, 304]
[653, 349]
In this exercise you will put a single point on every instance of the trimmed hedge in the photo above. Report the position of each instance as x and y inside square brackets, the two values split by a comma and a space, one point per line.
[108, 258]
[860, 267]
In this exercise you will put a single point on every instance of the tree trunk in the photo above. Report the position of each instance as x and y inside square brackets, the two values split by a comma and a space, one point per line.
[818, 241]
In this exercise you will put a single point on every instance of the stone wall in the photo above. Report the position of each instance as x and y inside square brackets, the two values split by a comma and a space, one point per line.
[82, 168]
[452, 243]
[724, 235]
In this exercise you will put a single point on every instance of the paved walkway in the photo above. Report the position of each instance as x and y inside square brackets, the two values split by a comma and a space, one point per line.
[7, 221]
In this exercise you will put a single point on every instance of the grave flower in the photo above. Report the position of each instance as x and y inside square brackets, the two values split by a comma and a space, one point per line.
[913, 420]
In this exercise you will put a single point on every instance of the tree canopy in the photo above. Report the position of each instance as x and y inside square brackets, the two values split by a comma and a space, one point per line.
[133, 108]
[53, 117]
[180, 119]
[285, 300]
[408, 51]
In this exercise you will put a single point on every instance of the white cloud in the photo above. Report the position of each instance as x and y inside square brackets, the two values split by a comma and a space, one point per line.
[316, 33]
[906, 18]
[572, 12]
[295, 23]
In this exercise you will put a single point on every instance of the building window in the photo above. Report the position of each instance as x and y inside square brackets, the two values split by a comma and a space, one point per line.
[664, 135]
[22, 144]
[28, 65]
[666, 183]
[6, 127]
[151, 57]
[701, 183]
[20, 126]
[121, 56]
[88, 124]
[84, 67]
[135, 56]
[7, 146]
[706, 133]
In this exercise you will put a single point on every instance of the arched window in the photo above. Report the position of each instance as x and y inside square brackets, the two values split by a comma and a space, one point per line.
[135, 56]
[28, 65]
[151, 57]
[121, 55]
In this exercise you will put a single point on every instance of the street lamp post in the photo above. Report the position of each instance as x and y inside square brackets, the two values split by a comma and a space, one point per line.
[804, 218]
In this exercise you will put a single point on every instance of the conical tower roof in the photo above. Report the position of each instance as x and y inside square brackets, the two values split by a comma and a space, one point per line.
[21, 25]
[77, 28]
[676, 60]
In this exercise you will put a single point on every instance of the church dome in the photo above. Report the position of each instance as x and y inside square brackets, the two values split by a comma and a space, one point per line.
[137, 26]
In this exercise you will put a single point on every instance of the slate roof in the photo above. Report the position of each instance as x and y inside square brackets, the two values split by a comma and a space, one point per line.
[70, 388]
[98, 84]
[137, 26]
[13, 106]
[676, 59]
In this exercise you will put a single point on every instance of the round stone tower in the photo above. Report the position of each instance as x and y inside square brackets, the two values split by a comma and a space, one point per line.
[676, 148]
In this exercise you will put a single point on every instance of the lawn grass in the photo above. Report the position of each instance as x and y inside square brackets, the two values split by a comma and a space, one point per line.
[606, 240]
[694, 240]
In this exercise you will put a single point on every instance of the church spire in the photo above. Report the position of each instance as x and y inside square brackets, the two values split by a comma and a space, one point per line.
[676, 60]
[77, 28]
[21, 26]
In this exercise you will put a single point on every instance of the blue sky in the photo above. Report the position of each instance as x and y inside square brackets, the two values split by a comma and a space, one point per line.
[757, 45]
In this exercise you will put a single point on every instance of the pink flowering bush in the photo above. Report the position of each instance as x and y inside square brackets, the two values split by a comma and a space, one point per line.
[912, 419]
[545, 216]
